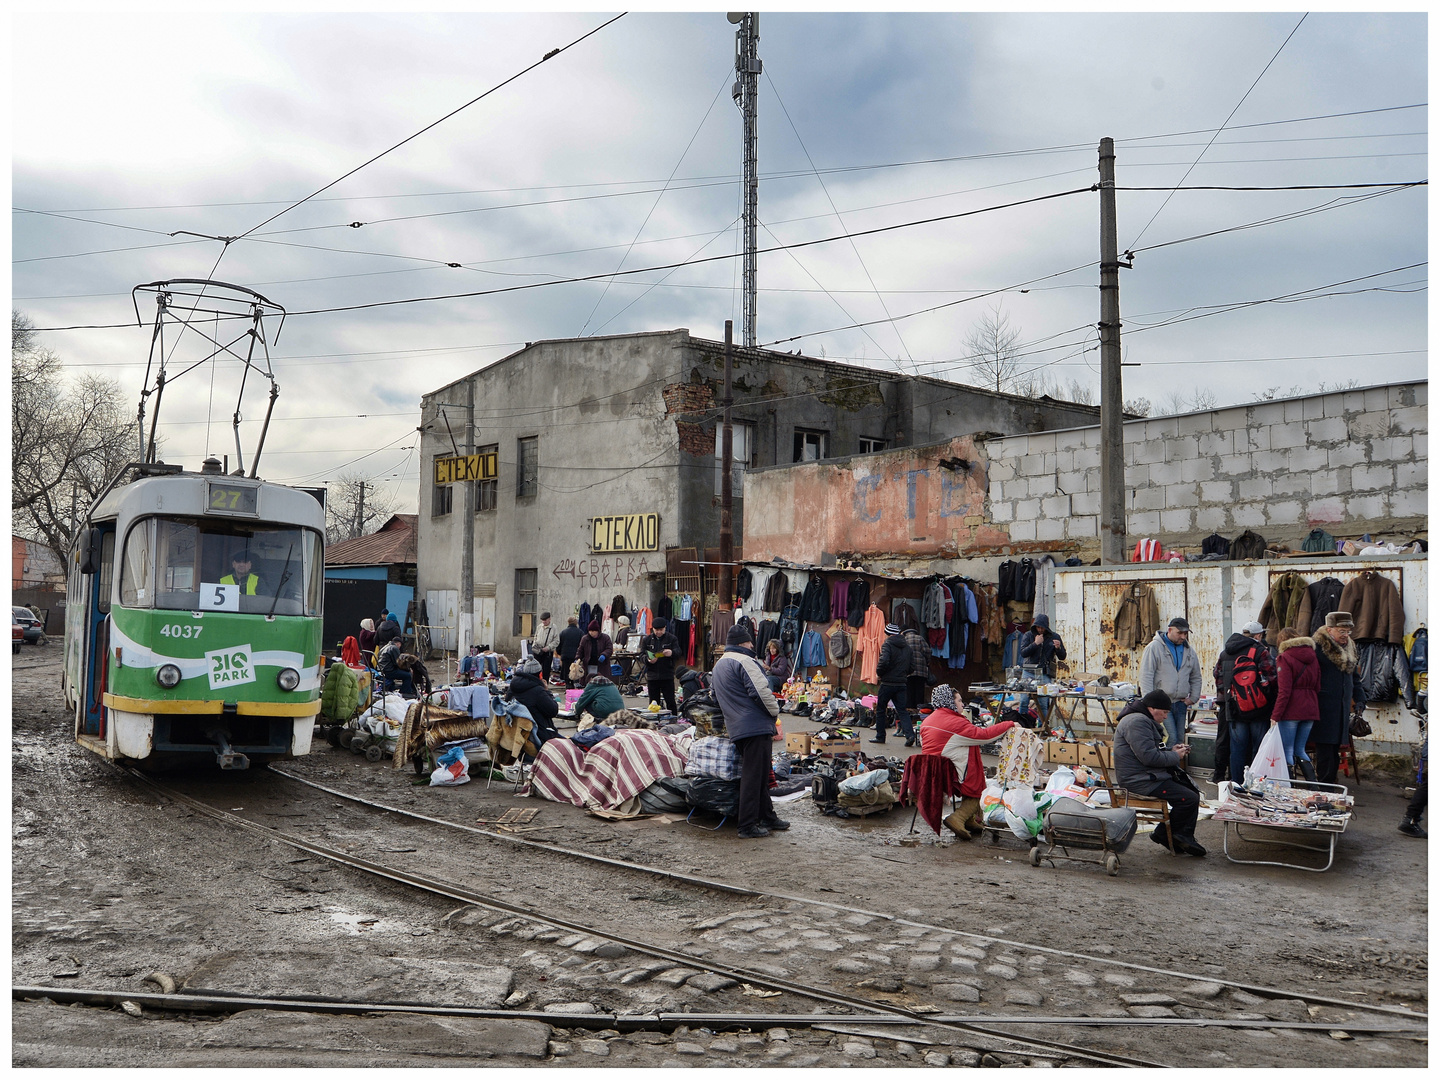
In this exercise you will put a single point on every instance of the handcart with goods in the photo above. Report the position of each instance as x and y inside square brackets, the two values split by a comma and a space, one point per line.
[1070, 823]
[1286, 814]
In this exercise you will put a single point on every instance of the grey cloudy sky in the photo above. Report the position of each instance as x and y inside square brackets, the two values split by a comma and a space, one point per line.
[624, 152]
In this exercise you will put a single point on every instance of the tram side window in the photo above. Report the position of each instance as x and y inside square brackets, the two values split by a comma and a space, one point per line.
[135, 586]
[177, 573]
[107, 572]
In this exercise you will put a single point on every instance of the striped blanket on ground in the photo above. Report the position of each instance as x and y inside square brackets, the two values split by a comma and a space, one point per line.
[611, 775]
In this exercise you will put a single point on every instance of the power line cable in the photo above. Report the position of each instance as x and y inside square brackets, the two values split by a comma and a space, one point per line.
[1220, 129]
[409, 138]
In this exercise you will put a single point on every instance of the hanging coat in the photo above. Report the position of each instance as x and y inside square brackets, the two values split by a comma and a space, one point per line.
[859, 602]
[842, 649]
[1284, 607]
[1138, 617]
[1374, 602]
[815, 602]
[839, 598]
[812, 650]
[1248, 545]
[1384, 673]
[743, 584]
[872, 637]
[775, 592]
[1321, 598]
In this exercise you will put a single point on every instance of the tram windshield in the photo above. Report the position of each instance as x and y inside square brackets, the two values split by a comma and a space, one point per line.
[190, 564]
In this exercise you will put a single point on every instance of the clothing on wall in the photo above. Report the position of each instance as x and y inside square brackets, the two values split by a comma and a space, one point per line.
[1285, 606]
[1215, 544]
[859, 603]
[872, 636]
[815, 601]
[842, 646]
[1374, 602]
[1248, 545]
[1137, 619]
[1322, 597]
[767, 631]
[775, 591]
[1319, 541]
[665, 609]
[743, 583]
[1044, 582]
[812, 650]
[839, 598]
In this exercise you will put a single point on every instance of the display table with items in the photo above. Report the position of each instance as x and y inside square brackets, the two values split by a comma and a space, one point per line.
[1289, 814]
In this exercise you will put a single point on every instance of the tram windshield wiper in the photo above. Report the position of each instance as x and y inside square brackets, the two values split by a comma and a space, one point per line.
[284, 577]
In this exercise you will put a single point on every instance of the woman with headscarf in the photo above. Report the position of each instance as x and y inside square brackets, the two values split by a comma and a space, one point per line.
[949, 731]
[367, 640]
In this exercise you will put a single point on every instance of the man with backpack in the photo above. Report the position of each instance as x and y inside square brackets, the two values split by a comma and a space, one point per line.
[1247, 684]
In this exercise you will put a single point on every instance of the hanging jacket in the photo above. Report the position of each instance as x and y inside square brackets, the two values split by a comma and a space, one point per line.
[815, 602]
[775, 592]
[743, 584]
[1384, 673]
[859, 603]
[872, 636]
[919, 655]
[1014, 641]
[1248, 545]
[1007, 582]
[1284, 607]
[839, 598]
[1138, 617]
[932, 607]
[904, 616]
[842, 649]
[618, 607]
[789, 629]
[939, 636]
[1318, 541]
[766, 632]
[1215, 544]
[1025, 581]
[812, 650]
[1374, 602]
[1419, 652]
[1321, 598]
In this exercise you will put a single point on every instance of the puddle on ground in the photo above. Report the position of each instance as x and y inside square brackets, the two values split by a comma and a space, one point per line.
[359, 922]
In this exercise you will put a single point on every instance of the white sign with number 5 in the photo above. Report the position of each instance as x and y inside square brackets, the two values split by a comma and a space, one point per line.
[217, 597]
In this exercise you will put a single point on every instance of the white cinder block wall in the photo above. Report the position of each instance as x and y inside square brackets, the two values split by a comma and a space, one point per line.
[1349, 462]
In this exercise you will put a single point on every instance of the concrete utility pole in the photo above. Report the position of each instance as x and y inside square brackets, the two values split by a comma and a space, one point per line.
[467, 532]
[745, 93]
[1112, 394]
[727, 448]
[360, 512]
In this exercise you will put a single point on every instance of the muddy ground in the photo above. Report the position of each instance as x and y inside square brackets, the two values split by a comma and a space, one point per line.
[111, 883]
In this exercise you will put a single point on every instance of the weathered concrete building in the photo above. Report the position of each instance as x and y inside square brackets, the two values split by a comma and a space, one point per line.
[1349, 462]
[585, 431]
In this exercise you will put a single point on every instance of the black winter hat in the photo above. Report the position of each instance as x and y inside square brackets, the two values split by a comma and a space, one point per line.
[1156, 699]
[739, 635]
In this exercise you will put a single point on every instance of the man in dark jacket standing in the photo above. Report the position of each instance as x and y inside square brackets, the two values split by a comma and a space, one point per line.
[1144, 767]
[660, 647]
[569, 646]
[528, 689]
[594, 652]
[917, 683]
[893, 668]
[1246, 729]
[1043, 647]
[749, 708]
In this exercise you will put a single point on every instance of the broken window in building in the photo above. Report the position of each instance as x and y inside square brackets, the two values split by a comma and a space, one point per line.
[810, 445]
[443, 499]
[742, 455]
[527, 467]
[487, 492]
[871, 446]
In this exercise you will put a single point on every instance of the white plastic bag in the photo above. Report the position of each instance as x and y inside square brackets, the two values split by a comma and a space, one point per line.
[454, 769]
[1020, 812]
[1269, 763]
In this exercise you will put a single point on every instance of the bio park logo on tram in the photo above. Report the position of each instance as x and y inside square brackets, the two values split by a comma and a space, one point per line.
[230, 667]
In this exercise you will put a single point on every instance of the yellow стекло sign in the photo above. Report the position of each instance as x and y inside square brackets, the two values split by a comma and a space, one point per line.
[459, 470]
[625, 532]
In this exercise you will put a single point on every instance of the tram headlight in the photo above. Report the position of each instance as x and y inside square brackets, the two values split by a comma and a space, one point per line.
[168, 676]
[288, 679]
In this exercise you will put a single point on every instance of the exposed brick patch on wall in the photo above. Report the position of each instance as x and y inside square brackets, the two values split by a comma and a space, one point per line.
[696, 438]
[688, 399]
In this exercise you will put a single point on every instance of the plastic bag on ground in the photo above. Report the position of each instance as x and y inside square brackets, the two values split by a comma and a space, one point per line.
[863, 782]
[453, 770]
[1269, 763]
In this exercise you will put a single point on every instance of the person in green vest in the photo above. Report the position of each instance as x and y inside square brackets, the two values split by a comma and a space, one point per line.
[240, 574]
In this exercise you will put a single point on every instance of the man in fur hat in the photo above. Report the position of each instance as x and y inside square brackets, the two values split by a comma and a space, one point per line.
[1341, 695]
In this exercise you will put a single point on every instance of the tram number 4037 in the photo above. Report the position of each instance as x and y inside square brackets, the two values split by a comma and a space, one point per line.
[180, 630]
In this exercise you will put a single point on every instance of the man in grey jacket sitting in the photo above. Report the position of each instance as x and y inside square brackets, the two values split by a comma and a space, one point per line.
[1144, 767]
[749, 708]
[1170, 664]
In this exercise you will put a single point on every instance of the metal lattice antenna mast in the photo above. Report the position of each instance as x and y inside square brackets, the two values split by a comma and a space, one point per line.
[745, 93]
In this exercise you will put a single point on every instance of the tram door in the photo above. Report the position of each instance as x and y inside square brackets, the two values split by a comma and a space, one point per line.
[97, 638]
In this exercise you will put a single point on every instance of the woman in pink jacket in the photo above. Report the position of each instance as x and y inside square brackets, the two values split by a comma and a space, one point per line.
[1298, 705]
[950, 732]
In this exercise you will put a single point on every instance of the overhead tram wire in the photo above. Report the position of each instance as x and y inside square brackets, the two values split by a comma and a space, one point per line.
[656, 204]
[904, 348]
[1218, 130]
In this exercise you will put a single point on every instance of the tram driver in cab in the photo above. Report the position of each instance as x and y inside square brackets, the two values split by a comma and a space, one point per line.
[240, 574]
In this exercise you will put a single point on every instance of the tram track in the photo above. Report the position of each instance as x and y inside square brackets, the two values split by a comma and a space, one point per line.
[879, 1012]
[465, 895]
[552, 849]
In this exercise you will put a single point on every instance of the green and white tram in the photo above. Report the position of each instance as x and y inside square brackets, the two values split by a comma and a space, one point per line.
[193, 627]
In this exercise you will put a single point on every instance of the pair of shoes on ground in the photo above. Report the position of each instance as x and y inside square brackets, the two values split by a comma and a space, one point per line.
[1184, 845]
[763, 828]
[1412, 828]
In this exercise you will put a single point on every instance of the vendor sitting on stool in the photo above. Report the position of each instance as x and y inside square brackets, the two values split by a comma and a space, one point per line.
[949, 731]
[1143, 767]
